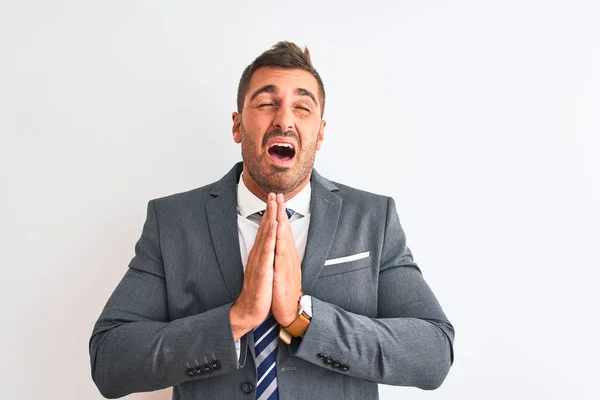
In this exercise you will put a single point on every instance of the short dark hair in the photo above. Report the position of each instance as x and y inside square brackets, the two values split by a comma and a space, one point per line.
[282, 55]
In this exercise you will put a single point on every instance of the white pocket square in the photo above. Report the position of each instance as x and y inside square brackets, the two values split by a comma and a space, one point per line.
[353, 257]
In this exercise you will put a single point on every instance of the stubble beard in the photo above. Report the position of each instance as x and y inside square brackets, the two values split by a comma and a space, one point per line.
[273, 178]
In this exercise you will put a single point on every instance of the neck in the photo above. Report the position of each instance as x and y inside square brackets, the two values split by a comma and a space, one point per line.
[258, 192]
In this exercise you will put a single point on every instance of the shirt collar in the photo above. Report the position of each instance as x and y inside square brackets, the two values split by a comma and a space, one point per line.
[249, 204]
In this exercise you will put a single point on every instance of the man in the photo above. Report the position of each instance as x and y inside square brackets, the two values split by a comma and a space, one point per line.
[273, 282]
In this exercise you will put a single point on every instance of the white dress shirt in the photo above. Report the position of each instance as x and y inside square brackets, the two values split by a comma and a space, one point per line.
[248, 205]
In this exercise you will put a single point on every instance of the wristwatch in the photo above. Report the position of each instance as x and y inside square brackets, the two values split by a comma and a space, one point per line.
[300, 324]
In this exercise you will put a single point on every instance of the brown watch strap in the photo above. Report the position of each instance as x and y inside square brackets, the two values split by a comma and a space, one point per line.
[285, 336]
[299, 326]
[296, 328]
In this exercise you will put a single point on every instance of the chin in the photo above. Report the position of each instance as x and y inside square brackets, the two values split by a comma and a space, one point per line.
[280, 169]
[278, 184]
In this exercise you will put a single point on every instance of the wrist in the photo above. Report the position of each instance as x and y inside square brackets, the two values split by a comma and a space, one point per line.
[240, 321]
[289, 318]
[300, 325]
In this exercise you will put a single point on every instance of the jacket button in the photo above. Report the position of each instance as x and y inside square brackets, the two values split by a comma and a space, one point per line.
[191, 372]
[345, 368]
[199, 371]
[336, 364]
[206, 368]
[215, 365]
[328, 361]
[321, 356]
[247, 387]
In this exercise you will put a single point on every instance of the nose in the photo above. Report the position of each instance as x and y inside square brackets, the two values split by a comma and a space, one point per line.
[284, 119]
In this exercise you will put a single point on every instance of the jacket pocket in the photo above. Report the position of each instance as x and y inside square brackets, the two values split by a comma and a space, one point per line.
[342, 265]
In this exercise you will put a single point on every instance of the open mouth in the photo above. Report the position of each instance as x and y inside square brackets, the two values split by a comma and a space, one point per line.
[282, 151]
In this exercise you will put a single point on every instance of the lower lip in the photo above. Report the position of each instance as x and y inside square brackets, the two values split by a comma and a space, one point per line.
[279, 161]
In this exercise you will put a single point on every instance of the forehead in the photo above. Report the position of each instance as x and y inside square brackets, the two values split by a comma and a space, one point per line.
[284, 79]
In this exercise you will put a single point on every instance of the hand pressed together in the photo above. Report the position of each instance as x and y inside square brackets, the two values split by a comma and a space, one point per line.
[287, 273]
[273, 278]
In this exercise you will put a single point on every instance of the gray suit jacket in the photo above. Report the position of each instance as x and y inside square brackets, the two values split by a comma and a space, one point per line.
[375, 320]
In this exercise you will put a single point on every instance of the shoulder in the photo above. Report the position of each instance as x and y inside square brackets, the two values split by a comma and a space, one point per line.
[351, 196]
[365, 202]
[349, 193]
[191, 199]
[180, 202]
[355, 194]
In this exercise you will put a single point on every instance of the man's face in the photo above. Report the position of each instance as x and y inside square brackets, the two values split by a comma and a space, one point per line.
[280, 129]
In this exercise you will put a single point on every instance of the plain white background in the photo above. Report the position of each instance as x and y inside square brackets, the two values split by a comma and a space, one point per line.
[480, 118]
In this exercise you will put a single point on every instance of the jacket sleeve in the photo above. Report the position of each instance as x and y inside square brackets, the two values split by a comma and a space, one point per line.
[409, 343]
[135, 347]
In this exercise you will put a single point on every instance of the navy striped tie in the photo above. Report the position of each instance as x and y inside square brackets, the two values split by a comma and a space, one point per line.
[265, 348]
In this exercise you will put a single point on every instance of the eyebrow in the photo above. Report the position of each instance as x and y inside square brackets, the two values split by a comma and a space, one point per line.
[273, 89]
[306, 92]
[264, 89]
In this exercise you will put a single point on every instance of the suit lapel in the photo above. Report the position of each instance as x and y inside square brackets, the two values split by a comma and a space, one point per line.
[221, 213]
[325, 214]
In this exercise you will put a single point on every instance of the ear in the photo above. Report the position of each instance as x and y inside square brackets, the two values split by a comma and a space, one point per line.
[236, 128]
[321, 134]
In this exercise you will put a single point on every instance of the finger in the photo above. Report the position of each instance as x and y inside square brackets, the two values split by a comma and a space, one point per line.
[285, 236]
[281, 214]
[259, 239]
[281, 245]
[284, 229]
[263, 227]
[265, 223]
[267, 254]
[273, 207]
[282, 218]
[269, 214]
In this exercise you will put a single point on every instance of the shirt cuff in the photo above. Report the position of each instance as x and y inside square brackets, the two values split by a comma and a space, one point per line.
[309, 303]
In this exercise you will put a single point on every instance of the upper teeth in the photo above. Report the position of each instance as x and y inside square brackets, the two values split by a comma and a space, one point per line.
[283, 145]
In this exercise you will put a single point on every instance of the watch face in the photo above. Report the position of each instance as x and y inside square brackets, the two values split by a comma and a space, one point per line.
[306, 304]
